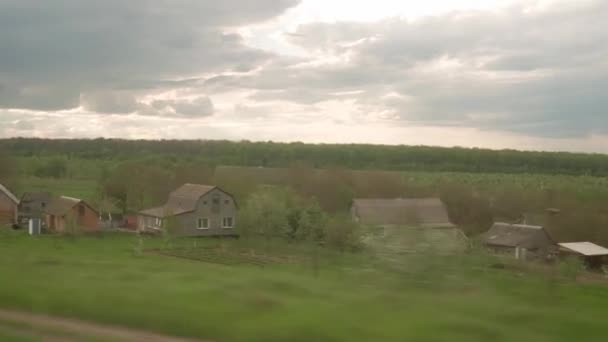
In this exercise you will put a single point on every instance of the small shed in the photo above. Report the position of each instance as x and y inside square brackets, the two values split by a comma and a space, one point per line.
[415, 212]
[520, 239]
[65, 213]
[593, 255]
[8, 206]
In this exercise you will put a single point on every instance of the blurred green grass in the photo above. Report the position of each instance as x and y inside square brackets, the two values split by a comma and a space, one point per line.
[353, 297]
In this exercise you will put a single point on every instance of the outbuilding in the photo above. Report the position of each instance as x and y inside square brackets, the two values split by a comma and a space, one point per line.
[32, 206]
[593, 255]
[523, 241]
[68, 214]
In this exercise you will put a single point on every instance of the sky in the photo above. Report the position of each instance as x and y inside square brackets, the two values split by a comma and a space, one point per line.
[497, 74]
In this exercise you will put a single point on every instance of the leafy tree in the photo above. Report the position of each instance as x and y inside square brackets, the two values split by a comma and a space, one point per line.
[264, 214]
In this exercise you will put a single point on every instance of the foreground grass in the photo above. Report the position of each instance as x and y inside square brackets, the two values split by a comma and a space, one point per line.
[350, 297]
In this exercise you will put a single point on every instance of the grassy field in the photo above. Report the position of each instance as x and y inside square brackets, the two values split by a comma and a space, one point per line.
[345, 297]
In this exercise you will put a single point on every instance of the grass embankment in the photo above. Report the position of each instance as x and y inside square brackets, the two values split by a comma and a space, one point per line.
[351, 297]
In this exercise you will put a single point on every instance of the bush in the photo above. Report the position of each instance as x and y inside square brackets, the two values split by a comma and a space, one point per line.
[343, 234]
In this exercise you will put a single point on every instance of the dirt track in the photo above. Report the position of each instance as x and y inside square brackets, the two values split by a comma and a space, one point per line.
[48, 328]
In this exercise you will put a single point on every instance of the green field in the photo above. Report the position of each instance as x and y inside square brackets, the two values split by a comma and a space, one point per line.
[79, 188]
[289, 296]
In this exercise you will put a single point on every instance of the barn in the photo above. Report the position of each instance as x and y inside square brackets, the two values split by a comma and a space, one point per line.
[65, 214]
[523, 241]
[8, 206]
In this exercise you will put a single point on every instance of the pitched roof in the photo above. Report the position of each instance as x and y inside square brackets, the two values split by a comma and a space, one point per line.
[8, 194]
[154, 212]
[585, 248]
[182, 200]
[36, 196]
[517, 235]
[429, 212]
[60, 206]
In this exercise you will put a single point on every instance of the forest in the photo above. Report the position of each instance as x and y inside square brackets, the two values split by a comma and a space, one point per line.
[271, 154]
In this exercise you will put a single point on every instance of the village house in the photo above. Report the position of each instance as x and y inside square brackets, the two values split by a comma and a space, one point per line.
[65, 214]
[8, 206]
[193, 210]
[413, 212]
[523, 241]
[594, 256]
[32, 206]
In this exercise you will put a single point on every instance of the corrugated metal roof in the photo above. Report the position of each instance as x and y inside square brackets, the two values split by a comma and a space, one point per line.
[9, 194]
[402, 211]
[585, 248]
[517, 235]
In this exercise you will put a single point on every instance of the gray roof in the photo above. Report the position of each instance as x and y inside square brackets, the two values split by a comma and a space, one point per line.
[517, 235]
[60, 206]
[155, 212]
[36, 196]
[585, 248]
[182, 200]
[429, 212]
[9, 194]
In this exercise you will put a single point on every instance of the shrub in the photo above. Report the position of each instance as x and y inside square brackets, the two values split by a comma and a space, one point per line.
[343, 234]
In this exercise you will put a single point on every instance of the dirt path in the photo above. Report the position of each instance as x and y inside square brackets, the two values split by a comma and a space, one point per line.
[48, 328]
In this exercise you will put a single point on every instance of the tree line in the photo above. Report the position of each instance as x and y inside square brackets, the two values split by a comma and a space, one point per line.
[349, 156]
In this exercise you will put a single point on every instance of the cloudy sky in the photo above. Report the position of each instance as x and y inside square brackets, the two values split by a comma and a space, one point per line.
[499, 74]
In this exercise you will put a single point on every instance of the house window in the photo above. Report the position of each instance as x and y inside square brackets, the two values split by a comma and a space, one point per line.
[81, 210]
[158, 222]
[226, 201]
[203, 223]
[228, 222]
[204, 202]
[216, 199]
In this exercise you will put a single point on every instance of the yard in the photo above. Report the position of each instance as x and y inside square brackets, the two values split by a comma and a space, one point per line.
[212, 290]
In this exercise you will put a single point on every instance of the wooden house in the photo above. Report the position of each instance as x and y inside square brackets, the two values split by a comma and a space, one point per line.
[193, 210]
